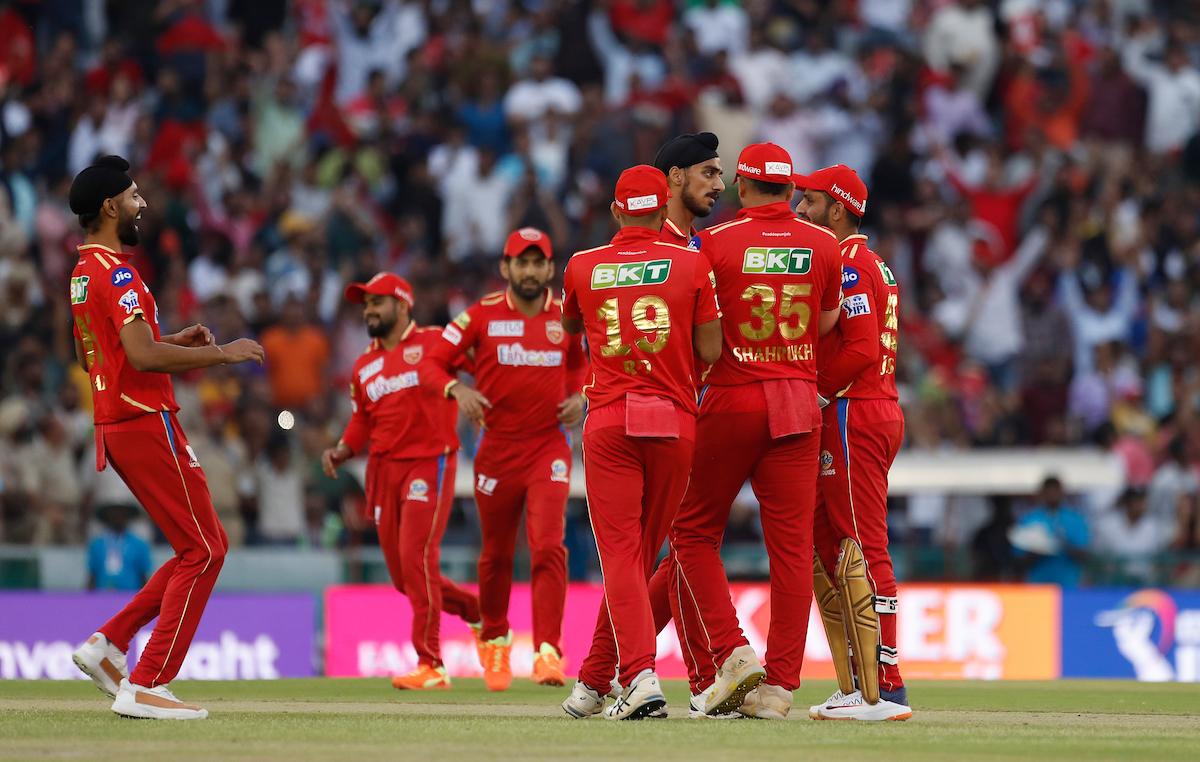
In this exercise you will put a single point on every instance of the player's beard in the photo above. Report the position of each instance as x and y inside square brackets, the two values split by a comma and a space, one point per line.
[383, 327]
[528, 289]
[127, 230]
[697, 205]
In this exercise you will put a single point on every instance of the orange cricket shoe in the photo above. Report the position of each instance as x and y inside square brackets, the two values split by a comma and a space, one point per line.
[548, 667]
[423, 678]
[494, 654]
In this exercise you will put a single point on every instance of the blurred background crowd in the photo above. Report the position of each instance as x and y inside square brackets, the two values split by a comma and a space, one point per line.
[1034, 176]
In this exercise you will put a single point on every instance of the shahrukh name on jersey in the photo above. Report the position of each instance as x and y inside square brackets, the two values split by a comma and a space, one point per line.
[385, 385]
[778, 353]
[518, 356]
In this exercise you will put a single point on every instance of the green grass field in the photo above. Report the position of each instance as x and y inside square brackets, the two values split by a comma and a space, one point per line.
[365, 719]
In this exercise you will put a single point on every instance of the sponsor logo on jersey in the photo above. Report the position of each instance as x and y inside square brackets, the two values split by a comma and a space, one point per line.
[462, 321]
[412, 355]
[506, 328]
[694, 242]
[886, 272]
[385, 385]
[559, 471]
[418, 489]
[79, 288]
[554, 331]
[518, 356]
[855, 305]
[827, 463]
[129, 300]
[485, 485]
[370, 369]
[193, 461]
[760, 259]
[121, 276]
[452, 334]
[849, 277]
[631, 274]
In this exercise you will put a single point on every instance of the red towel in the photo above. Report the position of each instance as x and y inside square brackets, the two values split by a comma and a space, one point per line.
[792, 407]
[649, 416]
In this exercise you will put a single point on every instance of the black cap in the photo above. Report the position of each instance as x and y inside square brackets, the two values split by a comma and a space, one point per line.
[107, 177]
[685, 150]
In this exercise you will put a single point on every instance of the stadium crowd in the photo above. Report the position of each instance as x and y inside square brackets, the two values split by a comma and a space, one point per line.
[1034, 176]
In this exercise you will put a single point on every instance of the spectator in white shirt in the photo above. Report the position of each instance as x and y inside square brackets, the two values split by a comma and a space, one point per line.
[475, 219]
[374, 36]
[718, 26]
[1173, 92]
[964, 32]
[1173, 480]
[530, 99]
[1129, 537]
[280, 494]
[762, 72]
[1096, 315]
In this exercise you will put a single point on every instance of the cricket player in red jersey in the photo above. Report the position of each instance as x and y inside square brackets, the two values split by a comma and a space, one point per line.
[528, 373]
[119, 344]
[693, 172]
[862, 432]
[408, 433]
[778, 280]
[647, 308]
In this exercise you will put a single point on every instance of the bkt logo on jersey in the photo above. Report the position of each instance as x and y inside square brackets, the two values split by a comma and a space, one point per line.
[760, 259]
[631, 274]
[121, 276]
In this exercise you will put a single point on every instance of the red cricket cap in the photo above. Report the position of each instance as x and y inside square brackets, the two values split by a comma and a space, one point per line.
[765, 161]
[527, 238]
[383, 284]
[641, 190]
[841, 182]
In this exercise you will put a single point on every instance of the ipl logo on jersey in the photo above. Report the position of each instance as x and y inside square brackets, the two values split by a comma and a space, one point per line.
[129, 300]
[559, 471]
[827, 463]
[412, 355]
[554, 331]
[418, 490]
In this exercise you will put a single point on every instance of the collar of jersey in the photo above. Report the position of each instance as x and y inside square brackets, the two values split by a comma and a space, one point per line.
[676, 231]
[778, 210]
[86, 248]
[635, 235]
[412, 326]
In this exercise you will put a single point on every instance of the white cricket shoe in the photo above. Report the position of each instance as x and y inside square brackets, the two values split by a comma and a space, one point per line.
[157, 703]
[739, 675]
[855, 707]
[583, 702]
[100, 660]
[814, 711]
[699, 701]
[641, 700]
[767, 702]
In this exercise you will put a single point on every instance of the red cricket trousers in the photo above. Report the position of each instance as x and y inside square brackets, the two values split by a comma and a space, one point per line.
[859, 441]
[634, 485]
[533, 474]
[734, 443]
[411, 499]
[151, 454]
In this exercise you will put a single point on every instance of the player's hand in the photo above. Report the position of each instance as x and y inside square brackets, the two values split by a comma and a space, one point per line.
[470, 402]
[194, 336]
[242, 350]
[570, 410]
[822, 401]
[334, 457]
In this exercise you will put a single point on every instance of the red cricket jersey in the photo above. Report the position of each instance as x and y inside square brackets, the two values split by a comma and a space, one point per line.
[671, 233]
[775, 274]
[858, 357]
[640, 299]
[393, 412]
[106, 295]
[525, 366]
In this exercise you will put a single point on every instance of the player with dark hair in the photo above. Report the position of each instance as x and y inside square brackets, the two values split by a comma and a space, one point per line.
[528, 371]
[648, 308]
[693, 171]
[862, 433]
[408, 432]
[129, 362]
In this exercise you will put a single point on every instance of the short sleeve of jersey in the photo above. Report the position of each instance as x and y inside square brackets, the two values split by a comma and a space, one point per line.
[570, 300]
[835, 282]
[462, 331]
[707, 308]
[121, 299]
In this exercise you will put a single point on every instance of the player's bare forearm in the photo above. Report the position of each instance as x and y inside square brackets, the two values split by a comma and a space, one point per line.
[707, 341]
[829, 319]
[81, 355]
[149, 355]
[192, 336]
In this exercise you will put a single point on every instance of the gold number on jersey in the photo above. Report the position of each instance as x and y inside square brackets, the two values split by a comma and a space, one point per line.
[87, 337]
[650, 315]
[764, 311]
[891, 315]
[887, 366]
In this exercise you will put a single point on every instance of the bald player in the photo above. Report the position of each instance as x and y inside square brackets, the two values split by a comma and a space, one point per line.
[861, 434]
